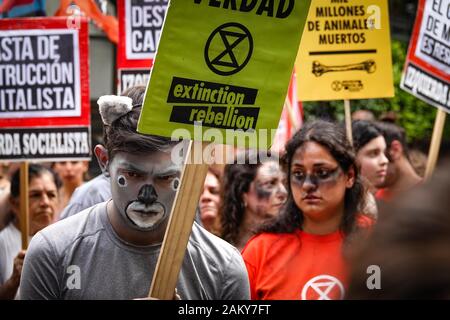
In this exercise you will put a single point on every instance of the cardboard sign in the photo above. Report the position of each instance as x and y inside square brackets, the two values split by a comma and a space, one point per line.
[345, 51]
[140, 23]
[426, 74]
[228, 72]
[44, 90]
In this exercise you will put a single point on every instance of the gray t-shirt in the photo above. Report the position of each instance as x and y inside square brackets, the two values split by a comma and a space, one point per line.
[88, 194]
[83, 258]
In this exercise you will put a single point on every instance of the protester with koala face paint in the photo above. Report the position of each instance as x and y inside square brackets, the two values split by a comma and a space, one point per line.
[300, 254]
[110, 251]
[253, 193]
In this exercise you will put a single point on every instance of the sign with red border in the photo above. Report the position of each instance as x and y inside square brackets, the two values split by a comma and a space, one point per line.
[44, 89]
[426, 73]
[140, 24]
[130, 77]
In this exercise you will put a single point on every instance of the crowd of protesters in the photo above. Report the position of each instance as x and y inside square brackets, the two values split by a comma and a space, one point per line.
[305, 224]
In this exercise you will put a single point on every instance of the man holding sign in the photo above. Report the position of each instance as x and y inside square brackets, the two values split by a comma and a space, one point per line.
[109, 251]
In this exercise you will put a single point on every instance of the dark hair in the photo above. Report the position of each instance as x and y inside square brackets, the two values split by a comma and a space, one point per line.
[393, 132]
[332, 137]
[34, 170]
[121, 135]
[363, 132]
[410, 245]
[236, 181]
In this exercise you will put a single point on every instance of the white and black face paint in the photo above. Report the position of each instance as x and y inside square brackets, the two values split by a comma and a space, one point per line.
[175, 184]
[143, 188]
[146, 211]
[122, 181]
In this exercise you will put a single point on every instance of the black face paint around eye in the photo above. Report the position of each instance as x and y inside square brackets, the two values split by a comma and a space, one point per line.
[147, 194]
[262, 192]
[316, 181]
[175, 184]
[122, 181]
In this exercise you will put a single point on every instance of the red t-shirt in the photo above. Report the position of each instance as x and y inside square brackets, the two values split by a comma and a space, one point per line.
[383, 194]
[297, 266]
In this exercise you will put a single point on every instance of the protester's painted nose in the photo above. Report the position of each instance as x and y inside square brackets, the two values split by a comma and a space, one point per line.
[147, 194]
[310, 183]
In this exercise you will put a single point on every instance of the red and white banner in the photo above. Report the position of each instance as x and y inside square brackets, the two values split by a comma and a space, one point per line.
[426, 73]
[140, 24]
[44, 90]
[130, 77]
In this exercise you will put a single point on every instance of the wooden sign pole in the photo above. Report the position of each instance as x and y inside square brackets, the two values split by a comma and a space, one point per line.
[24, 223]
[348, 120]
[180, 225]
[435, 143]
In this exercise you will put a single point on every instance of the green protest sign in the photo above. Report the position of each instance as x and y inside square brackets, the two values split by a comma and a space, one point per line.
[223, 66]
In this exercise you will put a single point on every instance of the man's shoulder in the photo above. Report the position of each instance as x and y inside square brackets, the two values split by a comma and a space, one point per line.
[88, 194]
[212, 246]
[99, 184]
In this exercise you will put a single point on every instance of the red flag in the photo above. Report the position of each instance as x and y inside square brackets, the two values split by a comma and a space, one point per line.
[291, 118]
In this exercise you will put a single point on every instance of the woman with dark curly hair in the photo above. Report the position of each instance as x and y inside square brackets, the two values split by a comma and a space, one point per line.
[300, 255]
[252, 194]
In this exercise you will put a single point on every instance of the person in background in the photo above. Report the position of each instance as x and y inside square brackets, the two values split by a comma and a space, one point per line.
[252, 194]
[43, 203]
[73, 175]
[362, 114]
[209, 203]
[370, 148]
[401, 175]
[389, 117]
[418, 161]
[6, 171]
[407, 254]
[4, 179]
[5, 211]
[300, 255]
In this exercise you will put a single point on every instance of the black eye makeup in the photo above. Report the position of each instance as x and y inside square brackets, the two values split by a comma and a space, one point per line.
[319, 176]
[263, 190]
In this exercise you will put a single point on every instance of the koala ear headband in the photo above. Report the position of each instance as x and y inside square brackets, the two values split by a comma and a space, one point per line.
[113, 107]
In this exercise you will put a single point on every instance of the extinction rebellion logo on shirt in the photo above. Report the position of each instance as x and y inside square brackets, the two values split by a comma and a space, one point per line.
[323, 287]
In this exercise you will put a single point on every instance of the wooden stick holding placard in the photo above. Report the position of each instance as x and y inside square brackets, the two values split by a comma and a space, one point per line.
[180, 225]
[24, 221]
[348, 120]
[435, 143]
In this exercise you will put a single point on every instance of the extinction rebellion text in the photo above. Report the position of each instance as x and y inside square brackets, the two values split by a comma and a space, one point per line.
[213, 104]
